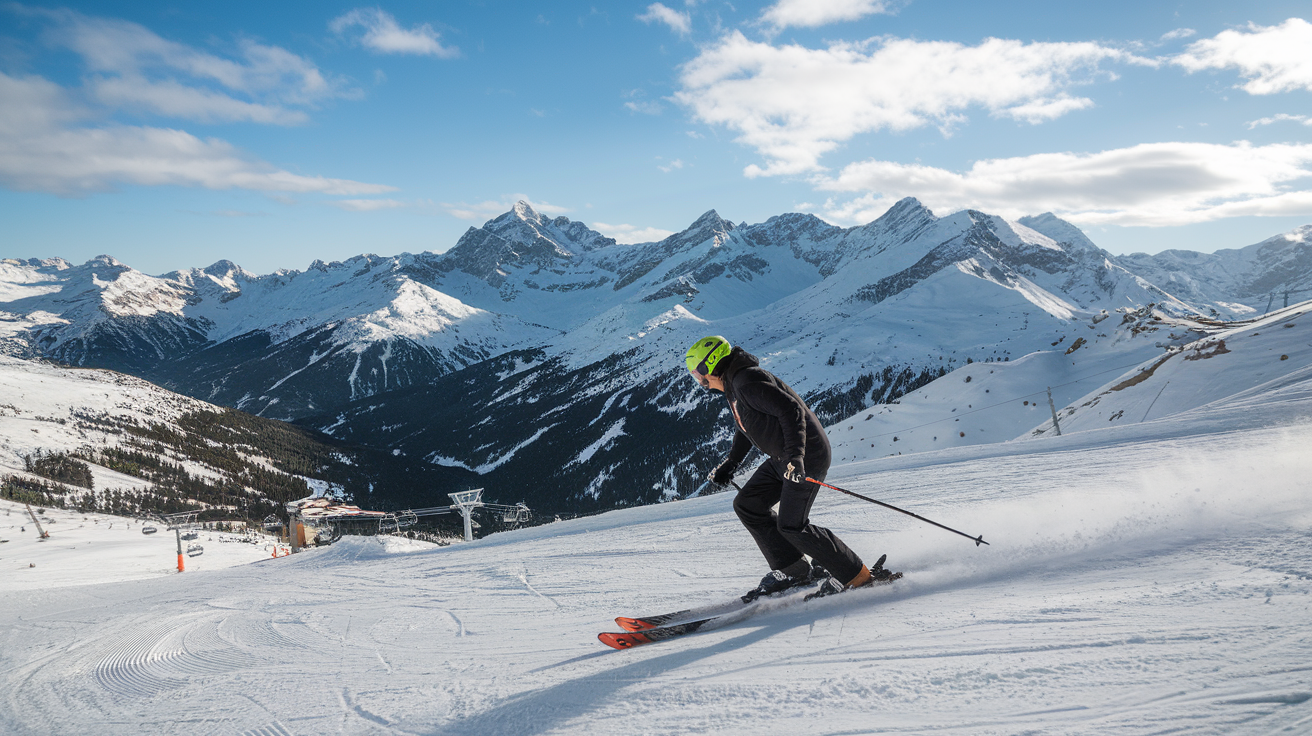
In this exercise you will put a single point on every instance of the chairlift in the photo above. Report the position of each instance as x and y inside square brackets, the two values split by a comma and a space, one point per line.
[517, 514]
[195, 550]
[388, 524]
[406, 519]
[189, 535]
[148, 530]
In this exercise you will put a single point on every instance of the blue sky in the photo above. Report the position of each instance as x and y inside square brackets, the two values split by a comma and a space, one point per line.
[174, 135]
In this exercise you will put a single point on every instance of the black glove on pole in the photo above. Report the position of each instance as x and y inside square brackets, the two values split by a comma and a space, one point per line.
[722, 474]
[977, 540]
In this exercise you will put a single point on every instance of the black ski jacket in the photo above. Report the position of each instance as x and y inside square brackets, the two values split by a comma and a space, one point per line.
[768, 414]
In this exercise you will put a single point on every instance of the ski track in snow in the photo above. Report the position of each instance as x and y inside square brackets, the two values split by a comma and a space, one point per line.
[1135, 584]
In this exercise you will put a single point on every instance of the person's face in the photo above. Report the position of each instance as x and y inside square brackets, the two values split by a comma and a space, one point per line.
[714, 383]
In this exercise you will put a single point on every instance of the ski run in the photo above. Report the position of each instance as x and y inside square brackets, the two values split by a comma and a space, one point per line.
[1148, 571]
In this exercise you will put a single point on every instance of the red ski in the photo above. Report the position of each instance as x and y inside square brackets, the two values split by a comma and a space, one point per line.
[630, 639]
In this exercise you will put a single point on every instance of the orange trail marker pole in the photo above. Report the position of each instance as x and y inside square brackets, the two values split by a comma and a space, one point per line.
[178, 533]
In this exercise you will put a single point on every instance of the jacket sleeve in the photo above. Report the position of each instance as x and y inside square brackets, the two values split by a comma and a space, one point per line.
[741, 446]
[770, 399]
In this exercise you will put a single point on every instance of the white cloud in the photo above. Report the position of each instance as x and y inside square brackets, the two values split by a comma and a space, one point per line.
[1281, 117]
[672, 166]
[490, 208]
[1177, 34]
[680, 23]
[133, 68]
[367, 205]
[1043, 110]
[631, 233]
[645, 107]
[1272, 58]
[176, 100]
[43, 149]
[813, 13]
[384, 35]
[794, 104]
[1152, 184]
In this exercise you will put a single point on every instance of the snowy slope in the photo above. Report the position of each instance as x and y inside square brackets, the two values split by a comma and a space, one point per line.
[1233, 367]
[92, 548]
[997, 400]
[1141, 579]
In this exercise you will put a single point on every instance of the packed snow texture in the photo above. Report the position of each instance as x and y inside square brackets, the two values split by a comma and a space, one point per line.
[90, 548]
[1141, 578]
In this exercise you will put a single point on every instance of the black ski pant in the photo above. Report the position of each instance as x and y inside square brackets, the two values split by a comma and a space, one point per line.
[786, 536]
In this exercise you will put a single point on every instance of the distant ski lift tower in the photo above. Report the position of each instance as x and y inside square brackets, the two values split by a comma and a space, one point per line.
[177, 522]
[467, 501]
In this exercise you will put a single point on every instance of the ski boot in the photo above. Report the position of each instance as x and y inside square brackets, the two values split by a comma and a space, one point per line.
[878, 576]
[795, 575]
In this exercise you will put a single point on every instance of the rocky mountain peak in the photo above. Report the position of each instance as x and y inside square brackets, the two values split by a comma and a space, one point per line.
[711, 220]
[225, 269]
[904, 219]
[789, 229]
[106, 261]
[524, 211]
[1059, 230]
[710, 226]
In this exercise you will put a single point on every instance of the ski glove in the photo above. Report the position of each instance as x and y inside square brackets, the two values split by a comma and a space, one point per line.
[796, 471]
[722, 474]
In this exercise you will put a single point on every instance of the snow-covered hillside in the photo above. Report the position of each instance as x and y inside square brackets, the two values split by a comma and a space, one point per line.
[113, 442]
[1141, 578]
[41, 405]
[1112, 371]
[1255, 361]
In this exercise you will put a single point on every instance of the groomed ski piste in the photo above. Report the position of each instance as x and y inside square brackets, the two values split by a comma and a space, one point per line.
[1142, 578]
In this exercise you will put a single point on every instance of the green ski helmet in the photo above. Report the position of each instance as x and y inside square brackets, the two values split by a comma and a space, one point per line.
[706, 353]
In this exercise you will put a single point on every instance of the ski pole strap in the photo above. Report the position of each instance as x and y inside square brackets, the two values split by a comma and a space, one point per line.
[977, 540]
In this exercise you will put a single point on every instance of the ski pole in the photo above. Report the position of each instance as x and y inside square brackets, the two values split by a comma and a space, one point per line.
[977, 540]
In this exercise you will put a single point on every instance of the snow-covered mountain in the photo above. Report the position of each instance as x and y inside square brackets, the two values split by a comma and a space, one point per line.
[546, 357]
[96, 439]
[1235, 282]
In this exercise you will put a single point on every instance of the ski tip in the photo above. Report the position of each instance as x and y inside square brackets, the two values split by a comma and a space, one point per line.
[626, 640]
[633, 624]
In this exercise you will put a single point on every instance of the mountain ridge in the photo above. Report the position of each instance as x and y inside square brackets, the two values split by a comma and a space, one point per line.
[553, 338]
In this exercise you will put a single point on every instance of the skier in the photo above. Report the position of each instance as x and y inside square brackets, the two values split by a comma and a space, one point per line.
[773, 418]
